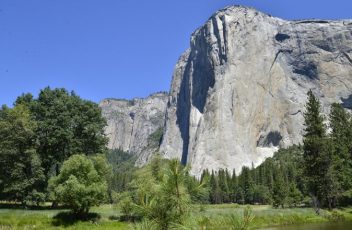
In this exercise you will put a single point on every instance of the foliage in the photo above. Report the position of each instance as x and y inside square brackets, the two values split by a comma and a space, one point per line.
[237, 223]
[20, 166]
[66, 125]
[160, 193]
[39, 134]
[154, 140]
[80, 184]
[327, 162]
[269, 183]
[123, 169]
[279, 190]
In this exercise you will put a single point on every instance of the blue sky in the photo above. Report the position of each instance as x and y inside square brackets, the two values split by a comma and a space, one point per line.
[114, 48]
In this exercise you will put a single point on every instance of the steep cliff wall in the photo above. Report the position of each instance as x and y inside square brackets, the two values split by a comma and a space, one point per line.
[238, 93]
[132, 122]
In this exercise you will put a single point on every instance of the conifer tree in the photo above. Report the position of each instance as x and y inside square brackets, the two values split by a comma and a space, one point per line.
[215, 192]
[316, 152]
[247, 184]
[234, 186]
[341, 137]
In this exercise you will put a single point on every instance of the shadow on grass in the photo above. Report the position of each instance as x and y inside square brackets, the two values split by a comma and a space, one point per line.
[66, 219]
[28, 207]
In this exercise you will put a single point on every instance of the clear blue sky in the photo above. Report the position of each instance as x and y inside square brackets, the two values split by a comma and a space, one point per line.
[114, 48]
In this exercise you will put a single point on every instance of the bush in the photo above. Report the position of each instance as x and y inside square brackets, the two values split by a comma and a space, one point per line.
[336, 216]
[79, 185]
[127, 207]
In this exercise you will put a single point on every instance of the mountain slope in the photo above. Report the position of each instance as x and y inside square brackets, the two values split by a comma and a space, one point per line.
[238, 93]
[132, 124]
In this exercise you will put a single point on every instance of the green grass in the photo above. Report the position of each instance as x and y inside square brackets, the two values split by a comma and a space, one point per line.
[215, 215]
[44, 219]
[265, 215]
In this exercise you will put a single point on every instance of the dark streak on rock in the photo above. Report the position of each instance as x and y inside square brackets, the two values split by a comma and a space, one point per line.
[348, 57]
[277, 55]
[293, 114]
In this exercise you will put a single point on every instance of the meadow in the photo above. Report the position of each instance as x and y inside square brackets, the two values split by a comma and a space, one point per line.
[206, 216]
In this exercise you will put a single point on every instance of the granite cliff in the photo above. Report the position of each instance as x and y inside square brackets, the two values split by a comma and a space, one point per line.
[238, 92]
[136, 125]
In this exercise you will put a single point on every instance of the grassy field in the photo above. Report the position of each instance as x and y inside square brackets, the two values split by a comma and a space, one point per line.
[44, 219]
[263, 216]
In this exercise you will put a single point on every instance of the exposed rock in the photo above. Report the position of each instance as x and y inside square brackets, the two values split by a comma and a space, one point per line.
[238, 93]
[132, 122]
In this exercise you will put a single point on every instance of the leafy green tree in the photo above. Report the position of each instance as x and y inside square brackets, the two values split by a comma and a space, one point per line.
[80, 184]
[20, 166]
[66, 125]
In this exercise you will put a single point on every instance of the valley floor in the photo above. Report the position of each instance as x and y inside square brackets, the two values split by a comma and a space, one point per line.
[264, 216]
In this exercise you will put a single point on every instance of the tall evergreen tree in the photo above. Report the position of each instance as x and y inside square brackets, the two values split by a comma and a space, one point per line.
[247, 184]
[223, 186]
[234, 186]
[341, 137]
[316, 152]
[215, 191]
[280, 189]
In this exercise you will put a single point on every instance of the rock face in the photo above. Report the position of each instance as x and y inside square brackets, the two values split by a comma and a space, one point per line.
[132, 123]
[238, 93]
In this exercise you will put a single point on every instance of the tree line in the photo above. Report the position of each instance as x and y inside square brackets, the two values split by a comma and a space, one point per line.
[318, 173]
[38, 134]
[52, 148]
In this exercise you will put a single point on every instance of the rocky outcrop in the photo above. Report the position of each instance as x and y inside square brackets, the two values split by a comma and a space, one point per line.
[134, 125]
[238, 93]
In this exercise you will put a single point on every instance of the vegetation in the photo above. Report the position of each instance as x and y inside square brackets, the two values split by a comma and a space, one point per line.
[327, 157]
[277, 181]
[38, 134]
[319, 173]
[52, 149]
[21, 174]
[202, 217]
[160, 194]
[81, 184]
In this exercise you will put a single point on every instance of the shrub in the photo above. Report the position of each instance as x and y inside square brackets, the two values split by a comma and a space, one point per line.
[79, 185]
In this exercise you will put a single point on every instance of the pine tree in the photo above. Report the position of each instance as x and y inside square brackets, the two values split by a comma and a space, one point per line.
[341, 135]
[247, 184]
[316, 152]
[223, 186]
[280, 189]
[234, 186]
[215, 191]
